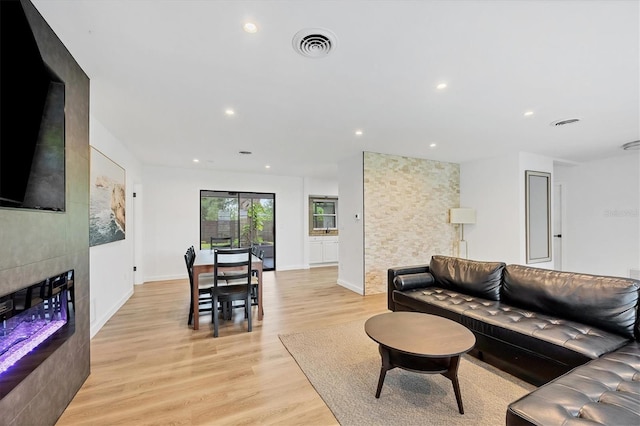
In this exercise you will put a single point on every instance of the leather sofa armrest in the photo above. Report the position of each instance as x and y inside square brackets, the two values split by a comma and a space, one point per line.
[392, 273]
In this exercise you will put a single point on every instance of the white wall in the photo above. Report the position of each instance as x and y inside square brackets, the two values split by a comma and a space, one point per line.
[601, 232]
[111, 265]
[351, 254]
[314, 186]
[495, 187]
[491, 186]
[171, 203]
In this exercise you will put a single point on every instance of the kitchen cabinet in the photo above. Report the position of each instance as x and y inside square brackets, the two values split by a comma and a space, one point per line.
[323, 250]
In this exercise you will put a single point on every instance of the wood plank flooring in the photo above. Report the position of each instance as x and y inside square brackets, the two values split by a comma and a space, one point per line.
[149, 368]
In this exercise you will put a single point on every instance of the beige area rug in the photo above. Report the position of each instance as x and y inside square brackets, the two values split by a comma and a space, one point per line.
[343, 364]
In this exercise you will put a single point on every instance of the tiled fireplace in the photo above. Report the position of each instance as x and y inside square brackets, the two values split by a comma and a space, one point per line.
[44, 256]
[34, 322]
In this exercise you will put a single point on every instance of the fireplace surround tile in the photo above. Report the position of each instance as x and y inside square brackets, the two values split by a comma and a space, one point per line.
[39, 244]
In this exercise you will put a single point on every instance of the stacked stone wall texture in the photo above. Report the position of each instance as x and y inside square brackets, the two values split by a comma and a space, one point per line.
[406, 208]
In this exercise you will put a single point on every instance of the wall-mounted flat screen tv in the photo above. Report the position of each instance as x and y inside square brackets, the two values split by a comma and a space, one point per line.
[32, 116]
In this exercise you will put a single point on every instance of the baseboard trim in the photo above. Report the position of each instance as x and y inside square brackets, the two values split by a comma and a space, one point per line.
[166, 278]
[95, 327]
[351, 287]
[322, 265]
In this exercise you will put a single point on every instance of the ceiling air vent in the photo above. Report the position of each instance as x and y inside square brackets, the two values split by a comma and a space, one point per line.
[631, 146]
[314, 42]
[565, 121]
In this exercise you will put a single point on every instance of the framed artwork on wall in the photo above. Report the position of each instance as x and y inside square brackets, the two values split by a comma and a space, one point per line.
[538, 216]
[107, 197]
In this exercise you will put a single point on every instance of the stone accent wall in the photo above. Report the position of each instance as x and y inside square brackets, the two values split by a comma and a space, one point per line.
[406, 207]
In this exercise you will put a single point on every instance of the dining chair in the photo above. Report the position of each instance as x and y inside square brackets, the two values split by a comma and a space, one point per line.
[237, 261]
[254, 279]
[220, 242]
[230, 276]
[205, 303]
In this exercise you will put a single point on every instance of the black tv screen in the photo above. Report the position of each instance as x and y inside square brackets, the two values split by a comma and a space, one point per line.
[32, 102]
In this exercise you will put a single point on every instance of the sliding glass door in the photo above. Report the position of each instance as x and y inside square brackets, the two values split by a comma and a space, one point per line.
[248, 218]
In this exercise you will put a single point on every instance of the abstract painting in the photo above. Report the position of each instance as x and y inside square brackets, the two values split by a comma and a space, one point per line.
[107, 200]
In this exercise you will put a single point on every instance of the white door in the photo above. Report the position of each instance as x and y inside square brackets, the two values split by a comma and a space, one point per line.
[557, 226]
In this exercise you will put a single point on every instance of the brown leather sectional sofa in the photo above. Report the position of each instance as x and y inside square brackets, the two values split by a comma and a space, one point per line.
[574, 335]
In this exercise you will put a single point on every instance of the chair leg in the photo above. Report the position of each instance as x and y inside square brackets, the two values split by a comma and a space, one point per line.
[214, 314]
[190, 319]
[248, 305]
[227, 308]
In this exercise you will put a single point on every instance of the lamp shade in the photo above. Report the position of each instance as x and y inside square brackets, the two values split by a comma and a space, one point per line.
[462, 215]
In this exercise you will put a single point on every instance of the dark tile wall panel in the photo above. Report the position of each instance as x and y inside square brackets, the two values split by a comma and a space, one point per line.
[36, 245]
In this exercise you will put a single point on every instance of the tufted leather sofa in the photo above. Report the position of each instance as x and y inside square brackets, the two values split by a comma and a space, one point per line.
[540, 325]
[605, 391]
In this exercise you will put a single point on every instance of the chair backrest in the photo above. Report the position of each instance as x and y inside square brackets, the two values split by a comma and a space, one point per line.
[189, 259]
[220, 242]
[238, 260]
[257, 251]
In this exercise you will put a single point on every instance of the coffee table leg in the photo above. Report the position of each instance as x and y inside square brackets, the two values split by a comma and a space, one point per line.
[386, 366]
[452, 374]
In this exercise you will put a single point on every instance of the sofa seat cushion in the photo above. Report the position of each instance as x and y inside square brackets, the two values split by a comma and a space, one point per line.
[434, 300]
[605, 391]
[564, 341]
[453, 300]
[576, 337]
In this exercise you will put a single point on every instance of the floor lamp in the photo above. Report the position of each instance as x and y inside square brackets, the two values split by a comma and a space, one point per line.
[462, 216]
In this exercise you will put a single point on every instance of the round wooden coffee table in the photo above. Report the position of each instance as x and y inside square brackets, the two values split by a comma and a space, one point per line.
[421, 343]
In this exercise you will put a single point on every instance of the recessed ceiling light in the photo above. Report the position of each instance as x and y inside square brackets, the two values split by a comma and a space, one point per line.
[441, 86]
[250, 27]
[528, 114]
[229, 112]
[244, 152]
[433, 145]
[358, 132]
[267, 166]
[195, 160]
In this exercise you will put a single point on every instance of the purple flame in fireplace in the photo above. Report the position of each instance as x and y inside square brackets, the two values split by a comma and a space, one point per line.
[40, 315]
[24, 338]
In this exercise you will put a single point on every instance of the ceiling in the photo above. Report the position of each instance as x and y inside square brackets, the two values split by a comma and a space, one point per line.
[163, 72]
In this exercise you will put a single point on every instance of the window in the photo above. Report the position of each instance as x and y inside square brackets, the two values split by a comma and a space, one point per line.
[247, 218]
[324, 214]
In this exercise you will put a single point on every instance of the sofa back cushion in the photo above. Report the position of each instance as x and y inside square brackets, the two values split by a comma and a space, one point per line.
[480, 279]
[607, 303]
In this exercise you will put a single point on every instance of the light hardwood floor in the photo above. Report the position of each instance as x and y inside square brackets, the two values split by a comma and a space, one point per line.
[149, 368]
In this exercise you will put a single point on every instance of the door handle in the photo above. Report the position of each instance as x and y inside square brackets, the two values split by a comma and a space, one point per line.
[558, 235]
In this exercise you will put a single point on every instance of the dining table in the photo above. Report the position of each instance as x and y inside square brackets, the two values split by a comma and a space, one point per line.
[204, 263]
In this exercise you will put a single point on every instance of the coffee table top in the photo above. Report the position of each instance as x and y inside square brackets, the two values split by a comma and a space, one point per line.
[420, 334]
